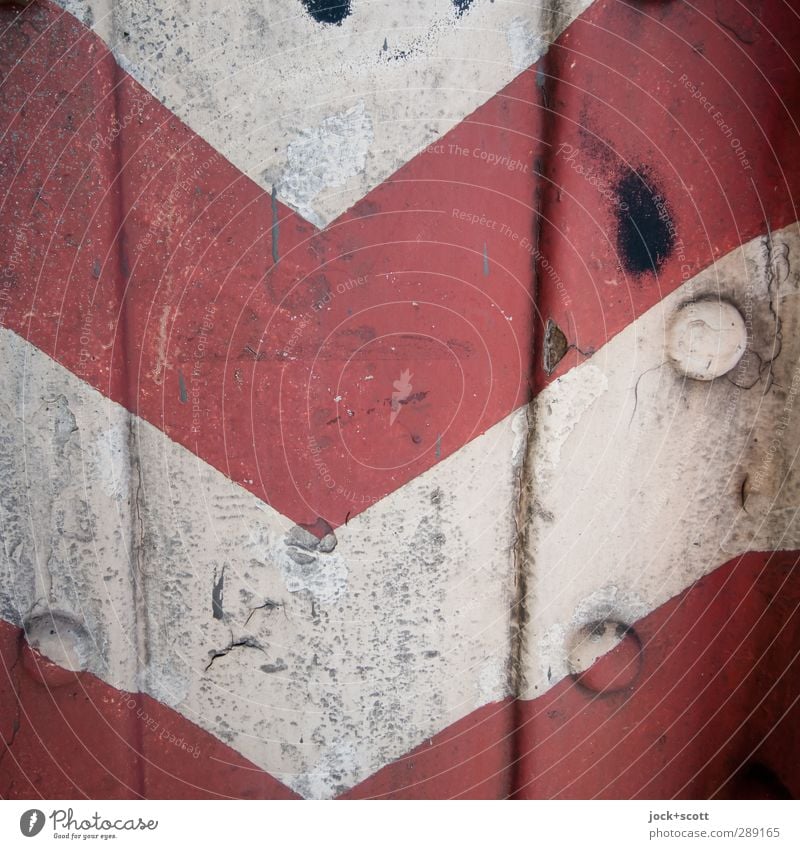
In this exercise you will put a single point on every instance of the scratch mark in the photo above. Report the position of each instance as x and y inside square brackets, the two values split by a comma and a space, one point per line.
[636, 390]
[485, 260]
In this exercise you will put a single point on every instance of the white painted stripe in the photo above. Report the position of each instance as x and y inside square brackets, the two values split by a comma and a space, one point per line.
[324, 112]
[346, 659]
[639, 472]
[403, 628]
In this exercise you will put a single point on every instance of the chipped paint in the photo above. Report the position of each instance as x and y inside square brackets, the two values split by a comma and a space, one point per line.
[324, 157]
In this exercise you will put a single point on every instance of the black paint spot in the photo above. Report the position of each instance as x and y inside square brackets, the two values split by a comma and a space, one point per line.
[645, 232]
[461, 6]
[328, 11]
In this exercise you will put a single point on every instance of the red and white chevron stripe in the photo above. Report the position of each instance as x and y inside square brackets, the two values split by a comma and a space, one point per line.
[399, 402]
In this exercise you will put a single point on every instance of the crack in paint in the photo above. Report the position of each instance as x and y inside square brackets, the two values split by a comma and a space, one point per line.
[269, 605]
[242, 643]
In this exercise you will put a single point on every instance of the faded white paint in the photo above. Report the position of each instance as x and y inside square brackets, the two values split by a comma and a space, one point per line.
[639, 472]
[328, 659]
[325, 157]
[331, 658]
[324, 112]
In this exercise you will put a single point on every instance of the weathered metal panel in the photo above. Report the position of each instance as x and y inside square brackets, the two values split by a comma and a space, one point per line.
[395, 401]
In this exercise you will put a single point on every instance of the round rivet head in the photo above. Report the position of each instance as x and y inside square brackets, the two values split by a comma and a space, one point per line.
[706, 338]
[57, 648]
[605, 656]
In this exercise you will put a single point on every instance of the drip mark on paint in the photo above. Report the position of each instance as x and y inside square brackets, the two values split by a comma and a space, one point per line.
[183, 395]
[217, 595]
[485, 260]
[645, 231]
[275, 225]
[328, 11]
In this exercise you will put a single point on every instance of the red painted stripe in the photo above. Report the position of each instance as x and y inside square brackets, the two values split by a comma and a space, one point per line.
[471, 759]
[691, 108]
[708, 712]
[160, 219]
[69, 736]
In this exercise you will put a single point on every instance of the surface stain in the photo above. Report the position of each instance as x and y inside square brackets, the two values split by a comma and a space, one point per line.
[278, 666]
[645, 232]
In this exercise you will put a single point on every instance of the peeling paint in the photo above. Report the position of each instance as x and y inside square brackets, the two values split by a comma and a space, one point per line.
[325, 157]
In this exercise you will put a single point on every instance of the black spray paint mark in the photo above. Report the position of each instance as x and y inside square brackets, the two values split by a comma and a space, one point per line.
[645, 232]
[217, 596]
[328, 11]
[461, 6]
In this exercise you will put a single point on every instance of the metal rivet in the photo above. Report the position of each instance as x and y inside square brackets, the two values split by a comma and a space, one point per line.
[605, 656]
[706, 338]
[58, 647]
